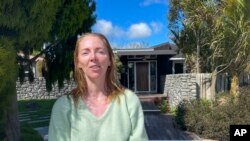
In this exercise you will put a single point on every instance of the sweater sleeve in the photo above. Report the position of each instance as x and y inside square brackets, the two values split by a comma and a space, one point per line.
[59, 127]
[138, 132]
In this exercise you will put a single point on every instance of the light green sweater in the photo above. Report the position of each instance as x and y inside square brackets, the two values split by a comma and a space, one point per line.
[122, 121]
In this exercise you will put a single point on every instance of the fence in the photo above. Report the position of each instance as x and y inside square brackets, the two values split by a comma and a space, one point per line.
[223, 81]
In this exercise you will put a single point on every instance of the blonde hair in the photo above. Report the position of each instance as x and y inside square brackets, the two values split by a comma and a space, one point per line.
[112, 85]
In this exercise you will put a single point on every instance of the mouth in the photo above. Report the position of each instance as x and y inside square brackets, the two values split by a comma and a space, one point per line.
[94, 67]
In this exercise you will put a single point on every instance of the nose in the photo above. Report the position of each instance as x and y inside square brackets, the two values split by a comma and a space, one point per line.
[93, 56]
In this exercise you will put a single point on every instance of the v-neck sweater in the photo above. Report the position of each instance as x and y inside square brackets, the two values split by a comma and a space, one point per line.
[123, 120]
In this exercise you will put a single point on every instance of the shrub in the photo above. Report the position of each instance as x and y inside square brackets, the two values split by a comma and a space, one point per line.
[212, 120]
[180, 113]
[164, 106]
[192, 114]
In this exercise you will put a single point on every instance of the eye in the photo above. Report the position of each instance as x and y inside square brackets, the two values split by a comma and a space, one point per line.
[101, 51]
[84, 53]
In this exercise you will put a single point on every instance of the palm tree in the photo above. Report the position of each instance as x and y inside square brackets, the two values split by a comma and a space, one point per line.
[234, 38]
[215, 32]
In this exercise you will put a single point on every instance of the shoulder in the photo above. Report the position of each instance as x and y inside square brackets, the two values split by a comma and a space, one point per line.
[130, 95]
[133, 104]
[62, 103]
[131, 99]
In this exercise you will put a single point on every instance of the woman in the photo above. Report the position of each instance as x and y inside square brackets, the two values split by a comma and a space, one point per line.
[99, 108]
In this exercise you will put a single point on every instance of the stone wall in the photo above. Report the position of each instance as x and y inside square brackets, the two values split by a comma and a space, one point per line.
[37, 89]
[186, 86]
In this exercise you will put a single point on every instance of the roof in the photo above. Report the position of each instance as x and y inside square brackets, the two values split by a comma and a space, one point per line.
[161, 49]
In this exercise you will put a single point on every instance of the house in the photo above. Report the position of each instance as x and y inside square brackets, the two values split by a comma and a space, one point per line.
[145, 68]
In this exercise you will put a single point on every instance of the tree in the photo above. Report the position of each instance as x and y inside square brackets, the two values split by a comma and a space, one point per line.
[216, 29]
[75, 17]
[25, 27]
[8, 111]
[234, 39]
[192, 24]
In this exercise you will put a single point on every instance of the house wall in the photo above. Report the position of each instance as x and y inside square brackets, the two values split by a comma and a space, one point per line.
[164, 67]
[37, 89]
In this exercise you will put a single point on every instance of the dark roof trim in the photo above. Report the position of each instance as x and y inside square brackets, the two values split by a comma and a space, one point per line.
[155, 52]
[162, 49]
[177, 57]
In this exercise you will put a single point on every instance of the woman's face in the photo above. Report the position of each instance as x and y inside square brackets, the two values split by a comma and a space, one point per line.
[93, 57]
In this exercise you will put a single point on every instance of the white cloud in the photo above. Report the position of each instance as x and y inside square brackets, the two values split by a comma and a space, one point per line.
[107, 28]
[103, 26]
[156, 26]
[139, 30]
[134, 31]
[150, 2]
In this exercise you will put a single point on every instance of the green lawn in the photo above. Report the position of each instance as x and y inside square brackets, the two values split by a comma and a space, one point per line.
[36, 111]
[29, 134]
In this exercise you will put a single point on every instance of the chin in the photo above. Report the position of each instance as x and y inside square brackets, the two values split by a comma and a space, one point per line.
[95, 76]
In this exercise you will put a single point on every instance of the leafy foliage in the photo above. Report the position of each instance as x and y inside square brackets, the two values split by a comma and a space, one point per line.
[213, 35]
[74, 18]
[212, 120]
[25, 25]
[192, 24]
[8, 71]
[164, 106]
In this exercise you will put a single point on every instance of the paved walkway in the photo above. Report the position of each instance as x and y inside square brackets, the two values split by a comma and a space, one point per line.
[163, 126]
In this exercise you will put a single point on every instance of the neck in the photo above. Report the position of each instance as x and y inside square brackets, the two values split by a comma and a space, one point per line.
[96, 88]
[96, 93]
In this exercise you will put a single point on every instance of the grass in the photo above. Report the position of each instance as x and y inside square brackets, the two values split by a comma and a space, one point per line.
[35, 110]
[29, 134]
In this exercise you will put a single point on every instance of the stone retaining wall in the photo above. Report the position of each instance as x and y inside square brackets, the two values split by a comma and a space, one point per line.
[186, 86]
[37, 89]
[177, 87]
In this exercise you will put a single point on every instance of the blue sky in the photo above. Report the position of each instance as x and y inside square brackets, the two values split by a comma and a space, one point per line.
[130, 22]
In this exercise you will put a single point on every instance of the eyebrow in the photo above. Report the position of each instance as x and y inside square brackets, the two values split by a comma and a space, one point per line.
[87, 49]
[84, 49]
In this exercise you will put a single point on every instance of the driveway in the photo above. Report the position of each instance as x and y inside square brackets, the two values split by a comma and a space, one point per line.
[163, 126]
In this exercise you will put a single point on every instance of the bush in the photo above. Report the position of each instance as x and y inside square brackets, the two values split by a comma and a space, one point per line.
[164, 106]
[212, 120]
[192, 114]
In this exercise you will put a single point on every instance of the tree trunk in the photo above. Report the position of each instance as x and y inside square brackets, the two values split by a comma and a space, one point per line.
[213, 84]
[12, 129]
[234, 85]
[198, 56]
